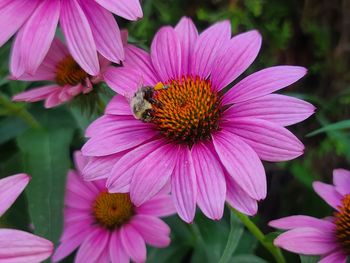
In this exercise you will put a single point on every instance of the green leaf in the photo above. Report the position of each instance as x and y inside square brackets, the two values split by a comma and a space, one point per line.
[309, 259]
[247, 259]
[10, 128]
[234, 237]
[46, 158]
[331, 127]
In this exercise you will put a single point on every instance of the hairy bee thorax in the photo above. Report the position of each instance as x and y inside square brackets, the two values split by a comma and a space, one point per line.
[342, 222]
[186, 110]
[68, 72]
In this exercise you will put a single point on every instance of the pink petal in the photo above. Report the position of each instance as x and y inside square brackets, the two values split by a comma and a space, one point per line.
[100, 167]
[184, 186]
[116, 250]
[10, 188]
[36, 94]
[160, 206]
[291, 222]
[123, 171]
[166, 54]
[308, 241]
[280, 109]
[334, 257]
[105, 31]
[133, 243]
[242, 163]
[235, 57]
[79, 36]
[141, 60]
[128, 9]
[123, 80]
[80, 161]
[210, 181]
[239, 199]
[263, 82]
[270, 141]
[207, 46]
[53, 100]
[22, 247]
[118, 105]
[152, 173]
[17, 64]
[153, 230]
[76, 185]
[38, 34]
[341, 179]
[328, 193]
[187, 34]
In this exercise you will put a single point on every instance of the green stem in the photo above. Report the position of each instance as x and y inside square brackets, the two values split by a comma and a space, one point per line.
[275, 251]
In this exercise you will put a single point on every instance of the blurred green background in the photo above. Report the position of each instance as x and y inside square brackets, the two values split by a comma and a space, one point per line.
[309, 33]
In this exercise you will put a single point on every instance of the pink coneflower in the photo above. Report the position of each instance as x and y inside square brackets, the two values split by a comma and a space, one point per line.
[109, 227]
[69, 78]
[19, 246]
[88, 26]
[329, 237]
[208, 143]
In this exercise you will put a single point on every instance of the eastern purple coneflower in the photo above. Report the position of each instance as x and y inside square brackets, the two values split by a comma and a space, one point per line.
[208, 143]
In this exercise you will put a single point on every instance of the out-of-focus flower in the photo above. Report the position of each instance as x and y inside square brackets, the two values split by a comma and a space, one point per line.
[15, 245]
[109, 227]
[186, 129]
[70, 79]
[329, 237]
[88, 26]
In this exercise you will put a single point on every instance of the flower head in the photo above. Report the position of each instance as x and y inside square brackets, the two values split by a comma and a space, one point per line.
[70, 80]
[181, 126]
[15, 245]
[329, 237]
[109, 222]
[88, 26]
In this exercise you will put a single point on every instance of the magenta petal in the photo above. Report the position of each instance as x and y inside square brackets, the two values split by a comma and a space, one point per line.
[22, 247]
[334, 257]
[79, 37]
[123, 80]
[36, 94]
[270, 141]
[235, 57]
[184, 186]
[152, 173]
[291, 222]
[166, 54]
[116, 250]
[118, 105]
[341, 179]
[239, 199]
[242, 163]
[80, 161]
[263, 82]
[17, 64]
[153, 230]
[188, 34]
[128, 9]
[100, 167]
[10, 188]
[160, 206]
[133, 243]
[207, 47]
[210, 181]
[328, 193]
[279, 109]
[308, 241]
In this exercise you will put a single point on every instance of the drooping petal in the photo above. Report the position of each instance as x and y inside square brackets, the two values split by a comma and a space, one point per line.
[280, 109]
[79, 36]
[235, 57]
[118, 105]
[105, 31]
[291, 222]
[188, 34]
[128, 9]
[242, 163]
[184, 186]
[100, 167]
[328, 193]
[263, 82]
[308, 241]
[153, 230]
[22, 247]
[123, 80]
[334, 257]
[211, 183]
[78, 187]
[166, 54]
[152, 173]
[10, 188]
[341, 179]
[160, 206]
[116, 250]
[207, 46]
[270, 141]
[16, 59]
[36, 94]
[133, 243]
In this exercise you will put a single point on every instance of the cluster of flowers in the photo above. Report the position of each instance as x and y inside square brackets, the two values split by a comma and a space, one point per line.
[178, 134]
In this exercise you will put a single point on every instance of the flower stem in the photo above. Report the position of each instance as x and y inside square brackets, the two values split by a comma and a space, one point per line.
[275, 251]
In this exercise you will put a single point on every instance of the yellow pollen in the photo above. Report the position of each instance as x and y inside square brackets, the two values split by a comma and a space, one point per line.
[187, 110]
[342, 222]
[112, 210]
[68, 72]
